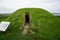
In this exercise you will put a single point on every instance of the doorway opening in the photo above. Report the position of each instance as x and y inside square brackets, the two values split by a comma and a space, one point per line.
[26, 17]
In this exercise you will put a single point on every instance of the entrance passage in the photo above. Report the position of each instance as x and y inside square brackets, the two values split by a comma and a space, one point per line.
[26, 25]
[27, 17]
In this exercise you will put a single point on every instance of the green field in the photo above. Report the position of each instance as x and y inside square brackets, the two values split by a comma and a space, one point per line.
[43, 25]
[4, 16]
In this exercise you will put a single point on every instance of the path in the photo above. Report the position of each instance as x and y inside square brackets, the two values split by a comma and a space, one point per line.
[25, 29]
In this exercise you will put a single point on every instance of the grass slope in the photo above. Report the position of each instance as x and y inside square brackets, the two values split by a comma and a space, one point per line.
[44, 25]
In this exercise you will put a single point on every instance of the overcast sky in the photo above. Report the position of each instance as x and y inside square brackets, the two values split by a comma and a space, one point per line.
[9, 6]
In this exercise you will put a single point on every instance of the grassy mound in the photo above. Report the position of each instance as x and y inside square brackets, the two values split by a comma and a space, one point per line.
[43, 25]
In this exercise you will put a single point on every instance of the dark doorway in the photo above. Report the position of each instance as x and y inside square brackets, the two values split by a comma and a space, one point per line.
[26, 17]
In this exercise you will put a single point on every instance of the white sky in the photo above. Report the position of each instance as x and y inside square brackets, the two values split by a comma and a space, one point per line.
[9, 6]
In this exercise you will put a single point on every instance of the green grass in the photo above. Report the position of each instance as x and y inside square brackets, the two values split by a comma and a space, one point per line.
[4, 16]
[44, 25]
[47, 27]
